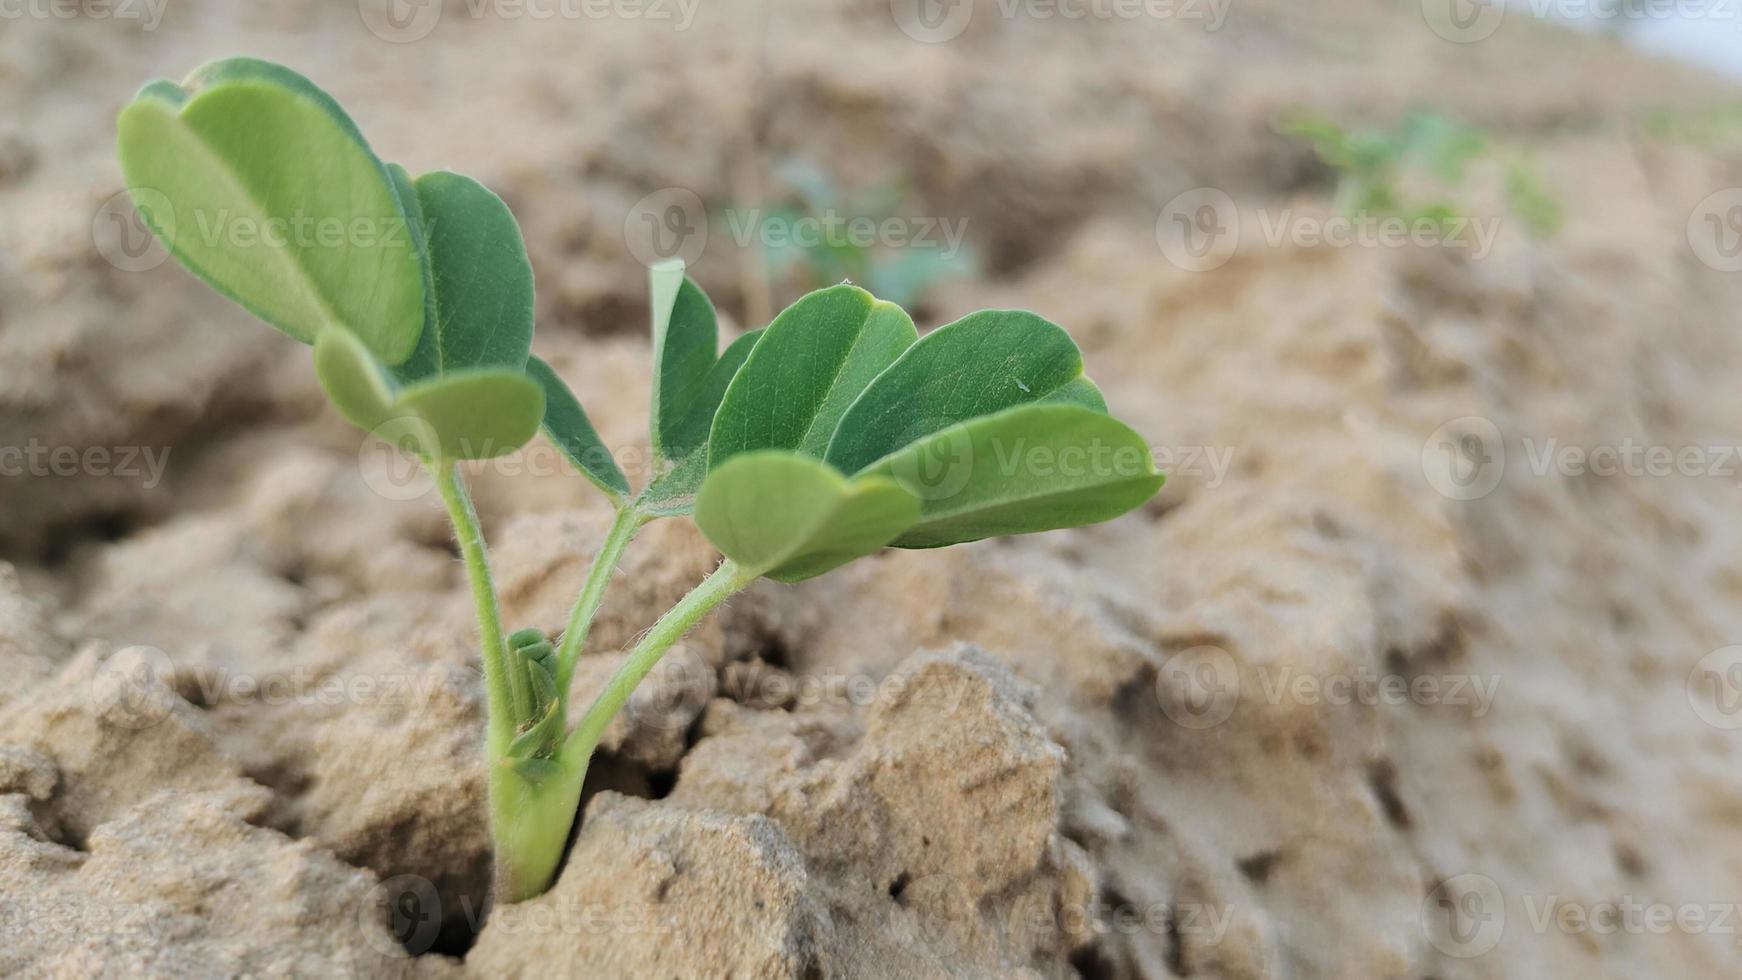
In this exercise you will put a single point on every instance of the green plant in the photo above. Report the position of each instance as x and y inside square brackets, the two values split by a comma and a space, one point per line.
[901, 275]
[831, 433]
[1372, 165]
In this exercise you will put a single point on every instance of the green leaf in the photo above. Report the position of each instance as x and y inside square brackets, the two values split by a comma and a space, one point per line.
[672, 494]
[816, 357]
[472, 414]
[1026, 469]
[353, 379]
[685, 336]
[569, 428]
[260, 184]
[479, 413]
[481, 302]
[691, 433]
[790, 517]
[983, 363]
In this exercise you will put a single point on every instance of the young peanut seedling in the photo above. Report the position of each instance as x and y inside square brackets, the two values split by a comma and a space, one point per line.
[831, 433]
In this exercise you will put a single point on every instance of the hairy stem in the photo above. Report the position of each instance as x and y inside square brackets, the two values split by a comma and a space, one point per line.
[715, 589]
[497, 670]
[623, 528]
[531, 816]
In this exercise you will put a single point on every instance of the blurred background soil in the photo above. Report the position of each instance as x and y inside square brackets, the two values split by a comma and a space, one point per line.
[1382, 685]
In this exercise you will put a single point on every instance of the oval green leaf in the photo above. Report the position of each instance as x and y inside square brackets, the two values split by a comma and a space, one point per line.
[480, 310]
[816, 357]
[479, 413]
[354, 381]
[790, 517]
[473, 414]
[983, 363]
[1025, 469]
[685, 337]
[260, 184]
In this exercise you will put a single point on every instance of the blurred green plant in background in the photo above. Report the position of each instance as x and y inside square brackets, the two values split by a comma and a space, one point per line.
[1430, 154]
[901, 274]
[1714, 127]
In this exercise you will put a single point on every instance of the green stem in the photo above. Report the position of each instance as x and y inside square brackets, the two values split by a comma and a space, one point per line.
[715, 589]
[623, 528]
[530, 817]
[493, 652]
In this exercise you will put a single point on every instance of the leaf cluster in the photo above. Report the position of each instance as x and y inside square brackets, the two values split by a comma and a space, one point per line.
[829, 434]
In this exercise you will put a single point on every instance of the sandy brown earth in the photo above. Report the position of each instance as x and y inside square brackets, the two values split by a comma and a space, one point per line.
[1321, 710]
